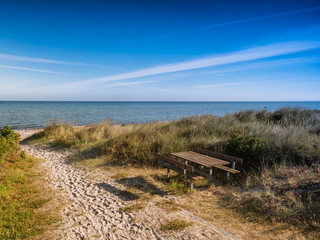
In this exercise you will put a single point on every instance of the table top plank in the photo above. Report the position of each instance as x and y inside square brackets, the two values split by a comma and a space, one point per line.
[201, 159]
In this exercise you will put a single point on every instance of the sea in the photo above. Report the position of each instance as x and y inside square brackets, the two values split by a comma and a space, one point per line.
[38, 114]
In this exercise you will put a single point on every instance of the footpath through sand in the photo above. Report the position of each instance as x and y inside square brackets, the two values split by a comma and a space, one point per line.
[93, 213]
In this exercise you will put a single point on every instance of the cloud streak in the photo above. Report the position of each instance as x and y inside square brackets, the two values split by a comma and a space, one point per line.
[44, 60]
[31, 69]
[251, 54]
[123, 84]
[218, 85]
[256, 53]
[263, 64]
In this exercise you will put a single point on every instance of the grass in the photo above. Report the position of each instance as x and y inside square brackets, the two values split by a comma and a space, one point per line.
[21, 201]
[281, 150]
[132, 208]
[168, 206]
[252, 135]
[175, 225]
[179, 186]
[287, 194]
[23, 205]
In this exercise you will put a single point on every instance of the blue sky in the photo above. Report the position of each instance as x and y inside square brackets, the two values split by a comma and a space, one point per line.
[187, 50]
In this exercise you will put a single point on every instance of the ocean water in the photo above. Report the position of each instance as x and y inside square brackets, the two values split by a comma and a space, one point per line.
[24, 114]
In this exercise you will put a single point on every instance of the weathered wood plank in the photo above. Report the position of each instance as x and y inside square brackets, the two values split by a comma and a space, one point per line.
[179, 170]
[221, 156]
[177, 163]
[233, 171]
[201, 159]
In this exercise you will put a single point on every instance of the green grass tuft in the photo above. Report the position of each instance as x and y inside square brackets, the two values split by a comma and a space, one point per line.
[132, 208]
[175, 225]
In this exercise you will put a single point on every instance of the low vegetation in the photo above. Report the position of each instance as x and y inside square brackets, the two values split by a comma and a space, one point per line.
[132, 208]
[20, 198]
[282, 193]
[175, 225]
[281, 151]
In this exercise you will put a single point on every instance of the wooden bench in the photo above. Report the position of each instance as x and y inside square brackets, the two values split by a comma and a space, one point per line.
[225, 157]
[179, 167]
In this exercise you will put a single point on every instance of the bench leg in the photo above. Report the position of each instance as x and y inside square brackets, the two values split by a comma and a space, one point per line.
[210, 176]
[168, 172]
[233, 165]
[191, 184]
[185, 170]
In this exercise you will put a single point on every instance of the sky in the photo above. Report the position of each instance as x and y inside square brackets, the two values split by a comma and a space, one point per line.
[160, 50]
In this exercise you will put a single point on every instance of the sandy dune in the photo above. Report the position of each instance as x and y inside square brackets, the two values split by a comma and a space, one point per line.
[93, 213]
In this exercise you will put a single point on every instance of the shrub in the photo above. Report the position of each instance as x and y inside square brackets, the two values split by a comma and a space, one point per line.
[296, 116]
[8, 142]
[247, 147]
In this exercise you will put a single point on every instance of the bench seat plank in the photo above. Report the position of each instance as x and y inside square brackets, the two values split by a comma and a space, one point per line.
[179, 170]
[233, 171]
[176, 163]
[221, 156]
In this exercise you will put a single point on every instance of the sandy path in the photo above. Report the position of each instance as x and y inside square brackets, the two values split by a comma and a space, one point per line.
[93, 213]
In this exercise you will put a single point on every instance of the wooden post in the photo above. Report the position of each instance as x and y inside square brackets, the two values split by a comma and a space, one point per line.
[168, 172]
[185, 170]
[210, 176]
[191, 184]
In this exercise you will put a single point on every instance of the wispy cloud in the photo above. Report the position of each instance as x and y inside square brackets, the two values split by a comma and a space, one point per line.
[259, 65]
[250, 54]
[123, 84]
[218, 85]
[44, 60]
[32, 69]
[230, 23]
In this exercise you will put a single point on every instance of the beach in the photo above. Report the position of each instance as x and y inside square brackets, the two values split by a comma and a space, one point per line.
[110, 183]
[92, 212]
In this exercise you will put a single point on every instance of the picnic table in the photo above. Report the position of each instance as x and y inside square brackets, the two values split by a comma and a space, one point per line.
[193, 165]
[201, 160]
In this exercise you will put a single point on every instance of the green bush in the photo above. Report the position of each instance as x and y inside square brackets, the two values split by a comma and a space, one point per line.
[8, 142]
[247, 147]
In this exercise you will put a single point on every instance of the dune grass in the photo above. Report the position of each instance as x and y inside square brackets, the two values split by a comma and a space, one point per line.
[21, 196]
[277, 148]
[258, 137]
[175, 225]
[283, 193]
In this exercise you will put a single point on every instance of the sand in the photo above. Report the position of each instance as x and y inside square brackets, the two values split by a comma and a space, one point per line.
[91, 212]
